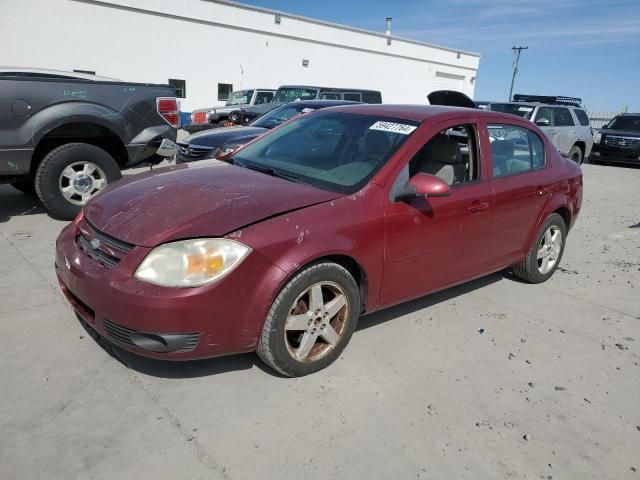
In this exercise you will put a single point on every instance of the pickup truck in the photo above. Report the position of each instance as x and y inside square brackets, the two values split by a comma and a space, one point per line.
[65, 136]
[205, 118]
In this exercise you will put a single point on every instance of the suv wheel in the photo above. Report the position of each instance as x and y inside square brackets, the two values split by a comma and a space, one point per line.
[71, 174]
[576, 154]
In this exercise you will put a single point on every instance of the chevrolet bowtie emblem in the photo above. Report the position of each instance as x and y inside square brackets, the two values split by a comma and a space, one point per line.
[95, 243]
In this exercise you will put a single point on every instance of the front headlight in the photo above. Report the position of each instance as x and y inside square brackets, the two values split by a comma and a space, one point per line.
[191, 263]
[597, 137]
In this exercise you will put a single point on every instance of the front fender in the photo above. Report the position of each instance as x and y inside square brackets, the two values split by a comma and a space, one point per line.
[348, 227]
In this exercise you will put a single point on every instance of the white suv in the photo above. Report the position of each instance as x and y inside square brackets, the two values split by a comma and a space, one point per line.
[560, 118]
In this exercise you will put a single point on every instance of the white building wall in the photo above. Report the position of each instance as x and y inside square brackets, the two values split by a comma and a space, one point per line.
[207, 42]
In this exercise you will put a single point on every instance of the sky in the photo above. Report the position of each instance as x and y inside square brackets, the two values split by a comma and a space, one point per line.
[579, 48]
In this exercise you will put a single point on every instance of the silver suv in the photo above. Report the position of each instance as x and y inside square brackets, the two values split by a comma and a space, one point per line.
[562, 119]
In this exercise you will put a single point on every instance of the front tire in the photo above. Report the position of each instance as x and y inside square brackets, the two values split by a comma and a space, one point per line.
[311, 320]
[545, 255]
[575, 154]
[71, 174]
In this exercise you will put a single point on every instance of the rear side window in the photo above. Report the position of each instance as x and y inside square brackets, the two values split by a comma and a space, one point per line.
[514, 150]
[372, 97]
[352, 97]
[563, 118]
[583, 118]
[330, 96]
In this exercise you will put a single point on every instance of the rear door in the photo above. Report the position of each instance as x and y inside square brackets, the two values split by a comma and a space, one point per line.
[519, 178]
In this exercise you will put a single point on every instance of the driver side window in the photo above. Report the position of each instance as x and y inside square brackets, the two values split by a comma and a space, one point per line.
[451, 155]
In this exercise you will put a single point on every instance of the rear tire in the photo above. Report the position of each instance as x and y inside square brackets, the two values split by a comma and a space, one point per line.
[576, 154]
[545, 255]
[71, 174]
[311, 320]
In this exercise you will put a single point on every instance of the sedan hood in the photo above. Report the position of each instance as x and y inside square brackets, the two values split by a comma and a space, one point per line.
[206, 199]
[218, 136]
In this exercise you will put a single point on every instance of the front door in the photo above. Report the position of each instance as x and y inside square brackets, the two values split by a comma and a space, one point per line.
[435, 242]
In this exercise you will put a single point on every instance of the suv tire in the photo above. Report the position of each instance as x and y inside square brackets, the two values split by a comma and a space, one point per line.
[575, 154]
[70, 174]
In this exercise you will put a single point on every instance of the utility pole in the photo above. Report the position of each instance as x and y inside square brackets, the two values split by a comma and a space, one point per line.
[515, 68]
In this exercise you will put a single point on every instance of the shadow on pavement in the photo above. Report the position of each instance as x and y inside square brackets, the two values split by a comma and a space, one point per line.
[14, 203]
[392, 313]
[215, 366]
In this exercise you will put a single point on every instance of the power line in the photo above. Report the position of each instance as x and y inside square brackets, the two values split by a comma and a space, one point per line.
[515, 68]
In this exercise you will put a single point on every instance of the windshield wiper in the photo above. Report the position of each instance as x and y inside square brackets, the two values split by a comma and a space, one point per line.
[269, 171]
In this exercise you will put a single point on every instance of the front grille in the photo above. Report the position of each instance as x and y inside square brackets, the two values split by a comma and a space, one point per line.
[96, 253]
[199, 117]
[622, 142]
[101, 247]
[197, 153]
[183, 342]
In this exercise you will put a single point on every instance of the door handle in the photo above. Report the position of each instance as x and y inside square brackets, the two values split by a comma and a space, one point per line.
[478, 206]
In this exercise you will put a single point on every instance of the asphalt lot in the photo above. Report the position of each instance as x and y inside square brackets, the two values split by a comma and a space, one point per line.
[550, 388]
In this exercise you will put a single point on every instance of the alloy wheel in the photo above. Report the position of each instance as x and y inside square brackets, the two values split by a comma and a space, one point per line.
[316, 322]
[549, 249]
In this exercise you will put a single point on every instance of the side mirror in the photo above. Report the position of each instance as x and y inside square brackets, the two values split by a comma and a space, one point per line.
[423, 185]
[543, 122]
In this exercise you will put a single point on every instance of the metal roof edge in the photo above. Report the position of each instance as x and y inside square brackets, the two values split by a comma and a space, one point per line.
[339, 25]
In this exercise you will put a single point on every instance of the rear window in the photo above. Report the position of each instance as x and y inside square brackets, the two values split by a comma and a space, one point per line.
[583, 118]
[371, 97]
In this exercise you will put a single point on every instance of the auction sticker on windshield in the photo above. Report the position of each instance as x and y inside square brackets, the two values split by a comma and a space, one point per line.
[401, 128]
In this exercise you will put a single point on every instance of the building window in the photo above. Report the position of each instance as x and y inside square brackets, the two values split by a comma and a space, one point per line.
[224, 90]
[278, 18]
[181, 87]
[88, 72]
[305, 62]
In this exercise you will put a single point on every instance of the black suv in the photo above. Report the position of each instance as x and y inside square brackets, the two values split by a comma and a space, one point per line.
[618, 141]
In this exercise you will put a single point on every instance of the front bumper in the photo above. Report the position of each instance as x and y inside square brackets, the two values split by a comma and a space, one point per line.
[605, 153]
[169, 323]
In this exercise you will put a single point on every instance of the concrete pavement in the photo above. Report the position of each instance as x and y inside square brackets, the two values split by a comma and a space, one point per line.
[549, 389]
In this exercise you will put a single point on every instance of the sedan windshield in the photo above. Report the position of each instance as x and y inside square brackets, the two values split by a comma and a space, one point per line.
[334, 150]
[286, 95]
[240, 98]
[625, 123]
[520, 110]
[279, 115]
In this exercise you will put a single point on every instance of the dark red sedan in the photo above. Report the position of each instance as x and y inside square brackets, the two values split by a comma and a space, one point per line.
[338, 213]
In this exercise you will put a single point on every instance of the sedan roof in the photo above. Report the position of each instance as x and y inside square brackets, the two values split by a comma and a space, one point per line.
[417, 113]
